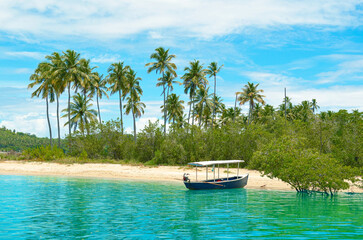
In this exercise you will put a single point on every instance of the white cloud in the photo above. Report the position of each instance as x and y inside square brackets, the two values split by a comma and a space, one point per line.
[332, 98]
[23, 70]
[118, 19]
[106, 58]
[28, 123]
[272, 79]
[348, 70]
[22, 54]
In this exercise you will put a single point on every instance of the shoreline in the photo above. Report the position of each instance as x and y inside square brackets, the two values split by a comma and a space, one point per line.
[165, 174]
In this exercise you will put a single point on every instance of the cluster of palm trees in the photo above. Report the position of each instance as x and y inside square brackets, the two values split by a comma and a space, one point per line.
[195, 83]
[67, 71]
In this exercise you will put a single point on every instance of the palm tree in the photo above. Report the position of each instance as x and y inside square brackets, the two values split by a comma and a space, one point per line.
[229, 115]
[56, 62]
[174, 107]
[117, 80]
[133, 100]
[41, 77]
[161, 65]
[69, 71]
[80, 113]
[137, 109]
[212, 71]
[168, 81]
[86, 84]
[250, 94]
[99, 88]
[314, 105]
[219, 105]
[202, 97]
[194, 78]
[235, 103]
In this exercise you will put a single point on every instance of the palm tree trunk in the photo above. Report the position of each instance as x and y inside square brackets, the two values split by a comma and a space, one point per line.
[98, 107]
[249, 114]
[190, 107]
[133, 115]
[69, 113]
[214, 100]
[200, 115]
[250, 111]
[58, 120]
[164, 110]
[50, 129]
[193, 110]
[122, 124]
[235, 108]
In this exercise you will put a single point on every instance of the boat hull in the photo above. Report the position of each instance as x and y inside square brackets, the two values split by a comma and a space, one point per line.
[233, 182]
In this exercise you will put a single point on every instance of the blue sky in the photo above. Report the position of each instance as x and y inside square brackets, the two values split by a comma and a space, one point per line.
[313, 48]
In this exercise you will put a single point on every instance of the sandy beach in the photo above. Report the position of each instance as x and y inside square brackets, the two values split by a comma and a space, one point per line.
[141, 173]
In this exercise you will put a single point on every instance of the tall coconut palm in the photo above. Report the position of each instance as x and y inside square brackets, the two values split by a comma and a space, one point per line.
[134, 92]
[99, 88]
[168, 81]
[174, 107]
[202, 98]
[81, 113]
[162, 64]
[56, 62]
[45, 89]
[194, 78]
[219, 106]
[212, 71]
[250, 94]
[118, 81]
[86, 81]
[70, 73]
[137, 108]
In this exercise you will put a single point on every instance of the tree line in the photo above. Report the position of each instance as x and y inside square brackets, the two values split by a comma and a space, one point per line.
[67, 71]
[295, 143]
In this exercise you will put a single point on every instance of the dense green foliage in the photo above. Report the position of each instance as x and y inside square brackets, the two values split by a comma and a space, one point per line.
[305, 169]
[238, 140]
[47, 153]
[18, 141]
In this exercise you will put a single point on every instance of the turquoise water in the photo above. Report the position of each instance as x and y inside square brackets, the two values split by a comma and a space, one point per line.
[71, 208]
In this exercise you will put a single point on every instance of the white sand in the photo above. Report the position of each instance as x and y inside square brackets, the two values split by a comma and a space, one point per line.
[117, 171]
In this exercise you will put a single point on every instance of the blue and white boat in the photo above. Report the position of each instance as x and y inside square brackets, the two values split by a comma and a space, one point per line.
[238, 181]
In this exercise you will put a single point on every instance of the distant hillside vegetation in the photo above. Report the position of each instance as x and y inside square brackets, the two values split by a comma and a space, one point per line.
[18, 141]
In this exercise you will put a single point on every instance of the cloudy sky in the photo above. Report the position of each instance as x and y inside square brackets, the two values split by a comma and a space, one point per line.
[313, 48]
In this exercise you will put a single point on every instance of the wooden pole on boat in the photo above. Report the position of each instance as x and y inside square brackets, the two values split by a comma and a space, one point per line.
[214, 173]
[227, 170]
[196, 173]
[206, 168]
[218, 171]
[237, 170]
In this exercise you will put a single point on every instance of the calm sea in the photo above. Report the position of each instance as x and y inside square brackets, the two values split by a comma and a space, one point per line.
[71, 208]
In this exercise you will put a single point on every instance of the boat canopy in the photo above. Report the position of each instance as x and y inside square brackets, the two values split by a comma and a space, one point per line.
[208, 163]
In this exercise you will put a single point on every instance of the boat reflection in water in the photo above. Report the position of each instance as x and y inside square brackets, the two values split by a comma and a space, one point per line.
[238, 181]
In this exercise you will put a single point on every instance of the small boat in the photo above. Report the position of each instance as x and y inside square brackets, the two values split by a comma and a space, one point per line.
[238, 181]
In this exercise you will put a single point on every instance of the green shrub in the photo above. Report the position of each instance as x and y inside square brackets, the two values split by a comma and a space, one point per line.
[170, 152]
[303, 168]
[47, 153]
